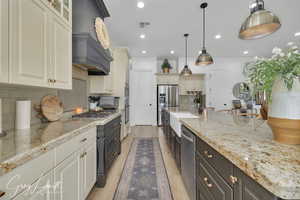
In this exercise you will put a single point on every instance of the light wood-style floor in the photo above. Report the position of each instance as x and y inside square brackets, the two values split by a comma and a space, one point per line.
[177, 187]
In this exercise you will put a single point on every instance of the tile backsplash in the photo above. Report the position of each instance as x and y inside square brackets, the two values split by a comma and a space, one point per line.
[10, 94]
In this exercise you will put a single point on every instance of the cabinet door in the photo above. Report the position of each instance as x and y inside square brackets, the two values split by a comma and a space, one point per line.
[29, 20]
[89, 169]
[42, 189]
[61, 59]
[247, 189]
[4, 41]
[67, 176]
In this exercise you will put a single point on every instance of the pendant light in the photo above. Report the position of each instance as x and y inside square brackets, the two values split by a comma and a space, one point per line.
[186, 71]
[204, 58]
[260, 23]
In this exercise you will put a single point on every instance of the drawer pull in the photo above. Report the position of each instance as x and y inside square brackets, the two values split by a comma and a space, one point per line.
[233, 179]
[84, 154]
[2, 194]
[83, 140]
[207, 183]
[207, 154]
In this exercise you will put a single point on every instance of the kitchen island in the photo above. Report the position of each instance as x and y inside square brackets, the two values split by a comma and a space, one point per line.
[248, 145]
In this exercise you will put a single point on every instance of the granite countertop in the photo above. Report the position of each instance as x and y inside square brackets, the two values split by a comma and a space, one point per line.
[248, 144]
[21, 146]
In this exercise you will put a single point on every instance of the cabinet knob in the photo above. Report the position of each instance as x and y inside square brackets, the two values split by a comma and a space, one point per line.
[2, 194]
[207, 154]
[233, 179]
[83, 140]
[207, 182]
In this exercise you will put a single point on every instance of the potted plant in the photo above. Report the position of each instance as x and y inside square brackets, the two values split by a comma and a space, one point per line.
[278, 77]
[166, 66]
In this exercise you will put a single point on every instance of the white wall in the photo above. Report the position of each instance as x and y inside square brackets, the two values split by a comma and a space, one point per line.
[143, 64]
[220, 78]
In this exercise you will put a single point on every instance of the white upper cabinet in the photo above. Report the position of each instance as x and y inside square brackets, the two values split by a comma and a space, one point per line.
[29, 52]
[101, 84]
[4, 41]
[40, 44]
[61, 49]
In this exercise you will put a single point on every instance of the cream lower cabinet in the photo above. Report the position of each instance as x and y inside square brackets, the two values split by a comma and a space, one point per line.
[65, 173]
[67, 178]
[42, 189]
[88, 167]
[40, 46]
[76, 175]
[4, 41]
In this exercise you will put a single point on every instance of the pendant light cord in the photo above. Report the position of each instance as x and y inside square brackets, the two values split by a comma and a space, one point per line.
[204, 28]
[186, 49]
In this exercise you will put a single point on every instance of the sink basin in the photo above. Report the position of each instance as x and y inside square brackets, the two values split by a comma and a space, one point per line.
[175, 120]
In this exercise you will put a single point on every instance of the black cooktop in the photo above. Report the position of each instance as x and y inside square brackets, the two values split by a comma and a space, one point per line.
[100, 114]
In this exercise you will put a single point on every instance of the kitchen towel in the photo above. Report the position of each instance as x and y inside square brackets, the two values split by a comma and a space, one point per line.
[23, 114]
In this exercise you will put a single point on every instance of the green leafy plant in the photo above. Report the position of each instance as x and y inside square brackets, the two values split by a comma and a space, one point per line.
[263, 72]
[166, 64]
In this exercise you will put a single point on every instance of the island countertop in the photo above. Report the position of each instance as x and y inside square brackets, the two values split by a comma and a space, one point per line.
[21, 146]
[248, 144]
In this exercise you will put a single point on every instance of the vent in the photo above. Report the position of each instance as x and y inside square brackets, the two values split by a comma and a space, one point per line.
[144, 24]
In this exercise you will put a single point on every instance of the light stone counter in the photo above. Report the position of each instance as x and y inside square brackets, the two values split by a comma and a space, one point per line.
[248, 144]
[21, 146]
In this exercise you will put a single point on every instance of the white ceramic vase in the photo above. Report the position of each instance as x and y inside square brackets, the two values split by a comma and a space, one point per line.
[284, 112]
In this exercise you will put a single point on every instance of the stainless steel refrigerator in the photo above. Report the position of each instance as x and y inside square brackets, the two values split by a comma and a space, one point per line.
[167, 96]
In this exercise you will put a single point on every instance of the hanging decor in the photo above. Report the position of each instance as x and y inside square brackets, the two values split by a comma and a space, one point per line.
[260, 23]
[186, 71]
[102, 33]
[204, 58]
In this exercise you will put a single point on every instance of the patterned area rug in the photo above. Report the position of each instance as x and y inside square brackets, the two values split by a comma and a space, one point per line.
[144, 176]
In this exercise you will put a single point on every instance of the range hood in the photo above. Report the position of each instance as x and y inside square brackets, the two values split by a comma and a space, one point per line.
[87, 50]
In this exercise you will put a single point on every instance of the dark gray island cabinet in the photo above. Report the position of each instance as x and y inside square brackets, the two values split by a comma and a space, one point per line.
[218, 179]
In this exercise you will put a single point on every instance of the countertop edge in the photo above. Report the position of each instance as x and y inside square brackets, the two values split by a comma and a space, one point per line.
[247, 168]
[19, 160]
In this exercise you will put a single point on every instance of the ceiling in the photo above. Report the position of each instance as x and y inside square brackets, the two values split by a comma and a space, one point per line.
[170, 19]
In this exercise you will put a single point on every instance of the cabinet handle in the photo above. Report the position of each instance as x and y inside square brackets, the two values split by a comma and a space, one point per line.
[84, 154]
[233, 179]
[2, 194]
[207, 182]
[83, 140]
[207, 154]
[54, 81]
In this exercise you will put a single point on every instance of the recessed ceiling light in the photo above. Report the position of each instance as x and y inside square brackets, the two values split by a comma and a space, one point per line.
[172, 52]
[144, 52]
[140, 4]
[290, 43]
[297, 34]
[246, 52]
[218, 36]
[142, 36]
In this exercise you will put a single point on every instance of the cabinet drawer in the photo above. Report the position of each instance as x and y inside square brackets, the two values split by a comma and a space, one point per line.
[13, 182]
[219, 162]
[63, 151]
[215, 186]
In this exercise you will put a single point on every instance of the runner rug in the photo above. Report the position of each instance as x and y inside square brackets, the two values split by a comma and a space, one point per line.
[144, 175]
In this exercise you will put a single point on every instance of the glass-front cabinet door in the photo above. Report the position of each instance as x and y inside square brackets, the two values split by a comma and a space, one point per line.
[67, 9]
[63, 8]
